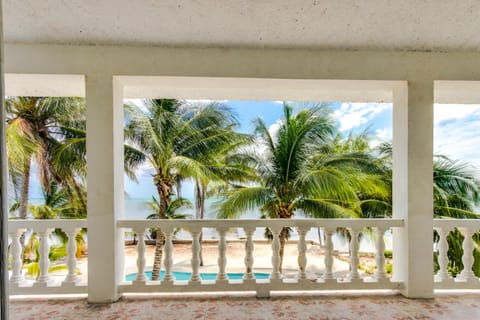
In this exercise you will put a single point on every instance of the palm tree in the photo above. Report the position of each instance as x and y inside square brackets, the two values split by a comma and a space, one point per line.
[34, 124]
[169, 133]
[56, 205]
[294, 176]
[456, 191]
[171, 212]
[219, 159]
[69, 161]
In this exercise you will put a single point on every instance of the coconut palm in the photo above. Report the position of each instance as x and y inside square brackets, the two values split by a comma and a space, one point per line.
[69, 161]
[56, 205]
[172, 211]
[34, 124]
[294, 176]
[220, 159]
[169, 133]
[456, 190]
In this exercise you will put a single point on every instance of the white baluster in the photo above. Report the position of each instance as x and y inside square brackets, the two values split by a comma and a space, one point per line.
[195, 278]
[442, 274]
[71, 277]
[302, 252]
[353, 255]
[276, 275]
[328, 275]
[467, 259]
[249, 276]
[222, 259]
[16, 249]
[44, 261]
[141, 278]
[380, 254]
[168, 278]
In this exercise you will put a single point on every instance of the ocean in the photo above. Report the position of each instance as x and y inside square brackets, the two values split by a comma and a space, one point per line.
[138, 209]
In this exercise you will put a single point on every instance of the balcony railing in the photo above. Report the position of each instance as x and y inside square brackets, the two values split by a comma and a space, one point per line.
[466, 279]
[276, 281]
[45, 283]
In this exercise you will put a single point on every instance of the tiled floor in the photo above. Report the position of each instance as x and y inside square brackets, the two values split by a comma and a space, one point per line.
[309, 307]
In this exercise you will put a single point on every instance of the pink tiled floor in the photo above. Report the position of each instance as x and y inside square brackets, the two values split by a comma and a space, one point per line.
[248, 307]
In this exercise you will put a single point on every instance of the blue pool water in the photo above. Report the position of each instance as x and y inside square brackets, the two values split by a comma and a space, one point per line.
[203, 276]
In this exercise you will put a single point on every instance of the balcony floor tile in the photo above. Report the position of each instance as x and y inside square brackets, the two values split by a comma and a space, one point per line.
[212, 307]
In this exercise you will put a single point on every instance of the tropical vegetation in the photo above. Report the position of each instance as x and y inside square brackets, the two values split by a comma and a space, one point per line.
[177, 139]
[305, 167]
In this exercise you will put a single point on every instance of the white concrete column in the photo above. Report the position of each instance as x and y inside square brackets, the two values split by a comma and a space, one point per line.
[413, 187]
[105, 186]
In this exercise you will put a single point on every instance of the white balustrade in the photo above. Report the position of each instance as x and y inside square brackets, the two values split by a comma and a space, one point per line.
[16, 250]
[302, 253]
[328, 275]
[70, 284]
[195, 278]
[44, 261]
[249, 276]
[353, 276]
[72, 277]
[467, 258]
[277, 279]
[442, 274]
[466, 279]
[168, 277]
[141, 278]
[222, 251]
[45, 283]
[380, 254]
[276, 275]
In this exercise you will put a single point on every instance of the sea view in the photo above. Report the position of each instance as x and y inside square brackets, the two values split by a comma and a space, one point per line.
[139, 209]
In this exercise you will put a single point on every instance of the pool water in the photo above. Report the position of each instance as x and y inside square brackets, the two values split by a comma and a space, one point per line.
[203, 276]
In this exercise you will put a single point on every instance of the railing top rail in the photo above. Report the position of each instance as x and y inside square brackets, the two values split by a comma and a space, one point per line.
[456, 223]
[44, 224]
[273, 223]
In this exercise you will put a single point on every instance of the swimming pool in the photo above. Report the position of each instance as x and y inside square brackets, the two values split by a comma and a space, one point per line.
[203, 276]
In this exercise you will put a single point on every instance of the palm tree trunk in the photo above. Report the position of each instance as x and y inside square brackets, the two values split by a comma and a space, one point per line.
[283, 240]
[157, 260]
[23, 208]
[163, 194]
[200, 212]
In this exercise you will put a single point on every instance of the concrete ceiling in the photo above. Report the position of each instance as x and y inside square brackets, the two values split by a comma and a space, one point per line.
[428, 25]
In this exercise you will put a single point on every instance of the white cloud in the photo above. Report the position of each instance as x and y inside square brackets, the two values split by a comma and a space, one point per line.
[274, 128]
[381, 135]
[457, 132]
[353, 115]
[384, 134]
[443, 112]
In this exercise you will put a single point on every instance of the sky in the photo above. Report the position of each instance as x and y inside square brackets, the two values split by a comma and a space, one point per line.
[456, 132]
